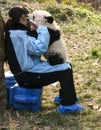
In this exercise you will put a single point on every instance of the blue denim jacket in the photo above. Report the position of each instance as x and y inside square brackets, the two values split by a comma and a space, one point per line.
[28, 51]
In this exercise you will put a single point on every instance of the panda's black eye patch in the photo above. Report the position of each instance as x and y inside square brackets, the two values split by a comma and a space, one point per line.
[49, 19]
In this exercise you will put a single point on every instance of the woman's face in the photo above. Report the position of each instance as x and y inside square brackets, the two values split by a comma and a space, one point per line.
[24, 20]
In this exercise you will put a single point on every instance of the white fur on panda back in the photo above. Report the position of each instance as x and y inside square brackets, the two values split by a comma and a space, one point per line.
[57, 47]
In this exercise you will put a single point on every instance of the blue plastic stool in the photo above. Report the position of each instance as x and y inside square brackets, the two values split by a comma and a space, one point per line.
[10, 81]
[22, 98]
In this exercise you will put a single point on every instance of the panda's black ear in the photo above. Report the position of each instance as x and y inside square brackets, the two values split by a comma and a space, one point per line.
[50, 19]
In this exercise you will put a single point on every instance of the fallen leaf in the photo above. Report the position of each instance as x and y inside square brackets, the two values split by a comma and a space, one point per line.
[95, 107]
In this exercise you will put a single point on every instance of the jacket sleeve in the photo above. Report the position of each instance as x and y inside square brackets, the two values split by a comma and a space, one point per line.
[40, 45]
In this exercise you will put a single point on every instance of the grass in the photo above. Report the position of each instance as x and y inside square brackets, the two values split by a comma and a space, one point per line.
[81, 30]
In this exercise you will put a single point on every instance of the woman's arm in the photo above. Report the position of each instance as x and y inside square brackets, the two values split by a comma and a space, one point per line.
[40, 44]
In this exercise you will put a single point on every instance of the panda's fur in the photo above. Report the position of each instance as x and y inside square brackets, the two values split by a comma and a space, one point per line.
[56, 53]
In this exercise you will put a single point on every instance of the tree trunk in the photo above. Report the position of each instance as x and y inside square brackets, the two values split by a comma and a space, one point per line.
[3, 97]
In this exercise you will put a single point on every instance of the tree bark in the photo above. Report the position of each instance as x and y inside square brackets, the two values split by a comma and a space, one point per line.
[3, 95]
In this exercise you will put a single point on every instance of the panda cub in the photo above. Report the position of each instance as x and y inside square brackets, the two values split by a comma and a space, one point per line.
[56, 53]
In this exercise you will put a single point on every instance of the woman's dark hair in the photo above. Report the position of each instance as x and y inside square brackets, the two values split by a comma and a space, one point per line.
[16, 12]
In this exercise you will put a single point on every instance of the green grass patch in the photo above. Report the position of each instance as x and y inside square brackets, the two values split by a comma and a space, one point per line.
[81, 30]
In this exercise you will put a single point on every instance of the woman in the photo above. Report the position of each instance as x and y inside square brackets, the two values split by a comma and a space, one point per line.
[24, 58]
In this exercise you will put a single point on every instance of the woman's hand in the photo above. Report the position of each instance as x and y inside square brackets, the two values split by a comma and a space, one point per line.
[33, 26]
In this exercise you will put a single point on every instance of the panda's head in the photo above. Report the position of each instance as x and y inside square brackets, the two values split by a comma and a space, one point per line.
[45, 17]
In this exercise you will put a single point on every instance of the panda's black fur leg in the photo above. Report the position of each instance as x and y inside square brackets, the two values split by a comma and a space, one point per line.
[32, 33]
[54, 35]
[55, 59]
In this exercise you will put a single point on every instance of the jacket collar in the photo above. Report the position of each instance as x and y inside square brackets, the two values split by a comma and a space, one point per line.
[19, 26]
